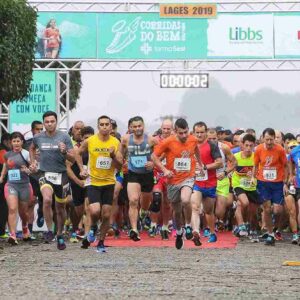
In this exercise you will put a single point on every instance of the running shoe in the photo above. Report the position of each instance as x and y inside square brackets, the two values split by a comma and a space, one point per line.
[48, 236]
[152, 231]
[236, 231]
[212, 238]
[264, 235]
[40, 221]
[220, 226]
[4, 236]
[73, 238]
[101, 248]
[295, 239]
[85, 243]
[26, 234]
[243, 230]
[206, 232]
[278, 236]
[254, 237]
[117, 232]
[12, 240]
[91, 236]
[134, 235]
[196, 239]
[61, 243]
[179, 243]
[146, 223]
[164, 235]
[188, 232]
[270, 240]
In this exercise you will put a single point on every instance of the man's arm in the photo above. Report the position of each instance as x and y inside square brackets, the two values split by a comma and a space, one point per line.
[117, 157]
[72, 175]
[78, 157]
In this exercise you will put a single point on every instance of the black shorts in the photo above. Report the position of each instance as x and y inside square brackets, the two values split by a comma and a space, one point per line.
[123, 196]
[61, 190]
[78, 194]
[145, 180]
[36, 189]
[101, 194]
[251, 195]
[297, 195]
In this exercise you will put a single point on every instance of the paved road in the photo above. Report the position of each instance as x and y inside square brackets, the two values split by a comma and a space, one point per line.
[250, 271]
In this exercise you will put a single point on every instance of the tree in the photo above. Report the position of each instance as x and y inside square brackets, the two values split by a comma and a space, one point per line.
[17, 48]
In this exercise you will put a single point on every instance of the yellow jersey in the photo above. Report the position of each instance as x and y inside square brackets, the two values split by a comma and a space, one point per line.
[101, 165]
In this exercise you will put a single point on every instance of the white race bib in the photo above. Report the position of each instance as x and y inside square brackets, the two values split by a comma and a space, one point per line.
[14, 175]
[103, 163]
[270, 174]
[202, 177]
[54, 178]
[245, 182]
[182, 164]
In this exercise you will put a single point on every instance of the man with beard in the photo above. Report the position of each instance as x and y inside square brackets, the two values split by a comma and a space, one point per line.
[139, 147]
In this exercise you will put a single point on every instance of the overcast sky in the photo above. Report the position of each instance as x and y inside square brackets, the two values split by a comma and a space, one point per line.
[234, 99]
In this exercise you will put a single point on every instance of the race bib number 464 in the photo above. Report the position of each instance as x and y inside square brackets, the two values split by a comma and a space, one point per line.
[182, 164]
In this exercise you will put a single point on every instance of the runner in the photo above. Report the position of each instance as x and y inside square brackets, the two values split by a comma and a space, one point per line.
[18, 191]
[55, 148]
[293, 195]
[160, 202]
[104, 158]
[77, 184]
[140, 172]
[271, 172]
[180, 150]
[205, 186]
[245, 192]
[36, 127]
[224, 194]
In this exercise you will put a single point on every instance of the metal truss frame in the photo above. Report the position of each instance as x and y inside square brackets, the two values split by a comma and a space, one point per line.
[153, 6]
[168, 65]
[63, 99]
[4, 115]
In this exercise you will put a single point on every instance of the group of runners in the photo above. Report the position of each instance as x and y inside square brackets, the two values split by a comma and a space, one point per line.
[180, 179]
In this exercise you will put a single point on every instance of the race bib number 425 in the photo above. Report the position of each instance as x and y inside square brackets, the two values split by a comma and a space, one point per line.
[182, 164]
[103, 163]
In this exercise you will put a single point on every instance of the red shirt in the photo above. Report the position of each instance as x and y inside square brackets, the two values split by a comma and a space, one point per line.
[209, 152]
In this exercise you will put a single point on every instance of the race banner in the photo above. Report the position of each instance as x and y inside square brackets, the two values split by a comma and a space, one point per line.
[163, 36]
[240, 36]
[287, 35]
[41, 98]
[147, 36]
[66, 35]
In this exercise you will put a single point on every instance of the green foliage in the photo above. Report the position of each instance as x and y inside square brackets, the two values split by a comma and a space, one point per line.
[17, 48]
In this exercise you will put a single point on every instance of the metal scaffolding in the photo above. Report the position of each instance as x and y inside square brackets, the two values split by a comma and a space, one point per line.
[153, 6]
[168, 65]
[63, 99]
[64, 66]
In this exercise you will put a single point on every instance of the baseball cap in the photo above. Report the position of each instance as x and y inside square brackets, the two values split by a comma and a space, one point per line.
[293, 144]
[113, 123]
[220, 129]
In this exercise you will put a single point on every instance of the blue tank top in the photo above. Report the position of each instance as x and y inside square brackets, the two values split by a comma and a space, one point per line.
[138, 155]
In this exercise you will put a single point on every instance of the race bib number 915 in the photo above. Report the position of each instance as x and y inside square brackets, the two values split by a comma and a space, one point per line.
[270, 174]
